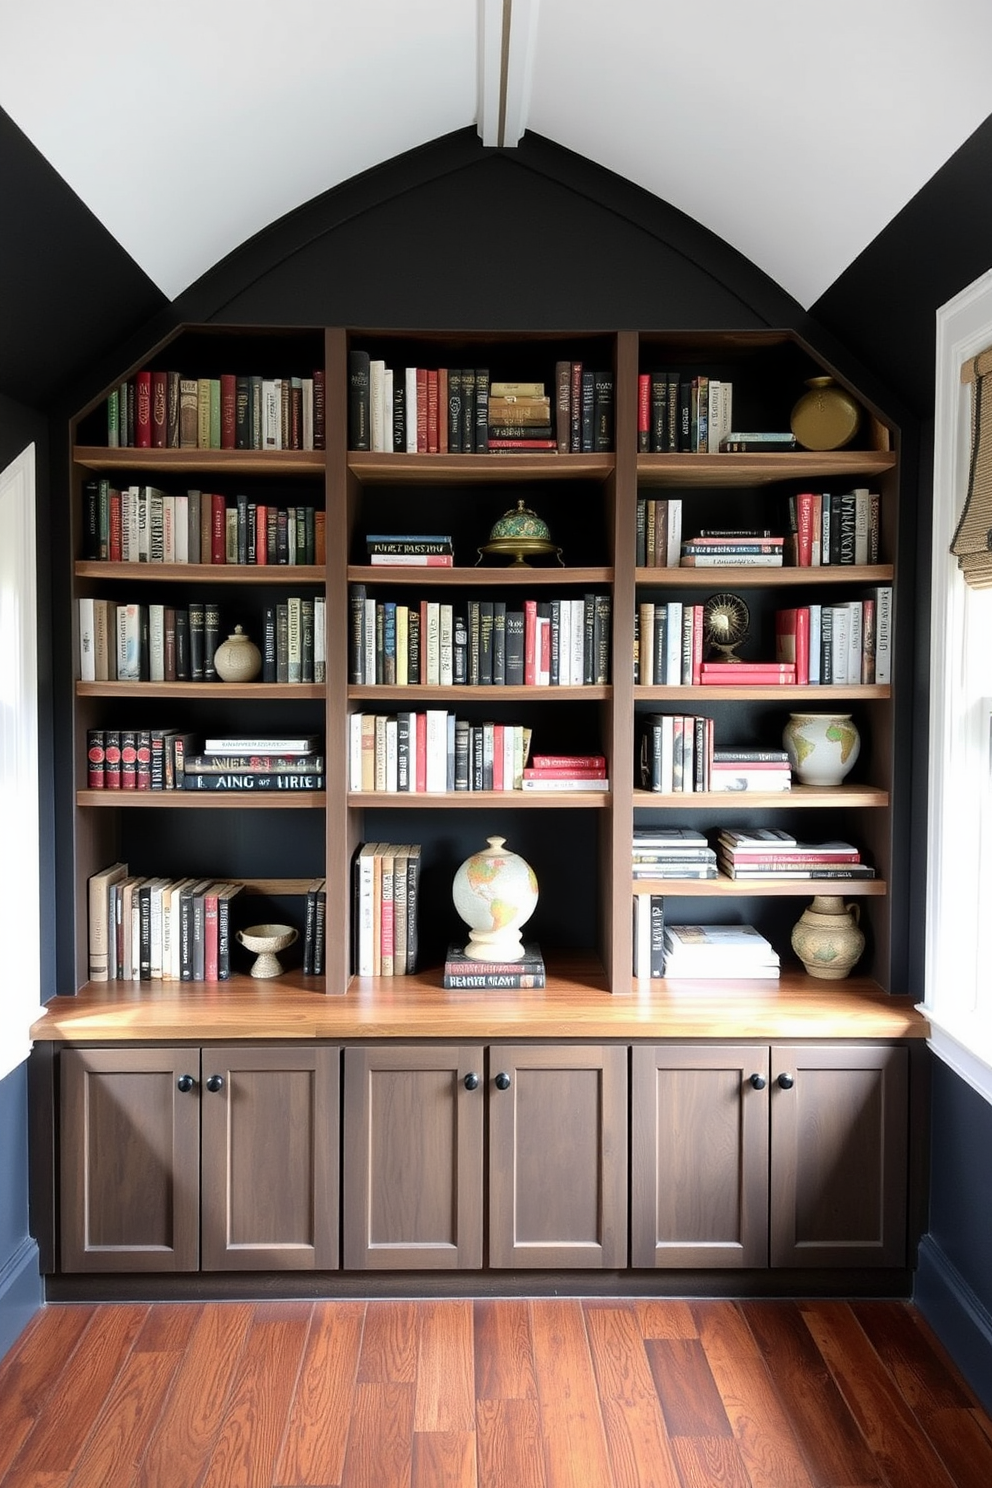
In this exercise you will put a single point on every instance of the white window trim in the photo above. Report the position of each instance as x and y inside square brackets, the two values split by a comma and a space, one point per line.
[20, 852]
[958, 984]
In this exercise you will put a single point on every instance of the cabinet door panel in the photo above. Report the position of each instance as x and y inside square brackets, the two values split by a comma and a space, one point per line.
[699, 1156]
[270, 1158]
[558, 1157]
[839, 1146]
[413, 1158]
[130, 1159]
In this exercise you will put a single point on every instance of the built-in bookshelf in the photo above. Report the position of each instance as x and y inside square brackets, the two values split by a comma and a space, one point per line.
[588, 490]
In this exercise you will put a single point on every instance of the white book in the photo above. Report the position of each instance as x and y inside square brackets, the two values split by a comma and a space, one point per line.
[674, 545]
[307, 410]
[155, 521]
[129, 643]
[87, 641]
[446, 627]
[862, 521]
[449, 752]
[840, 645]
[271, 413]
[673, 643]
[320, 639]
[391, 755]
[168, 528]
[578, 641]
[412, 768]
[155, 922]
[518, 756]
[294, 638]
[355, 751]
[564, 784]
[726, 409]
[180, 529]
[713, 417]
[156, 642]
[814, 644]
[509, 755]
[854, 641]
[380, 752]
[387, 408]
[144, 526]
[410, 379]
[377, 407]
[642, 936]
[369, 668]
[436, 746]
[883, 633]
[565, 644]
[433, 643]
[365, 896]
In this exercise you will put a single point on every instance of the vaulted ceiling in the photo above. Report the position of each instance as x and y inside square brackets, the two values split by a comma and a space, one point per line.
[794, 131]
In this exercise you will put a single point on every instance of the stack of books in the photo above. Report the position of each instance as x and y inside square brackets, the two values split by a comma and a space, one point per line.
[743, 548]
[750, 770]
[729, 952]
[467, 972]
[769, 852]
[672, 852]
[747, 674]
[384, 918]
[675, 753]
[315, 929]
[757, 441]
[520, 417]
[236, 763]
[566, 772]
[410, 550]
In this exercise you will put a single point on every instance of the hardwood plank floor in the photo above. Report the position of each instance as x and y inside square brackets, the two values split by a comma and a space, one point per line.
[557, 1393]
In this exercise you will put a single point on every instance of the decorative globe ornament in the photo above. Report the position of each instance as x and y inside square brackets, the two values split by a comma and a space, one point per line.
[237, 659]
[826, 417]
[495, 892]
[520, 534]
[822, 747]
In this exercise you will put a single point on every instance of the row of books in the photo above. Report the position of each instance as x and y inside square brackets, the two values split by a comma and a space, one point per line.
[841, 644]
[727, 952]
[460, 410]
[143, 524]
[169, 759]
[135, 642]
[773, 853]
[165, 410]
[680, 412]
[677, 756]
[671, 852]
[153, 929]
[559, 642]
[658, 531]
[315, 929]
[464, 973]
[386, 879]
[838, 528]
[745, 548]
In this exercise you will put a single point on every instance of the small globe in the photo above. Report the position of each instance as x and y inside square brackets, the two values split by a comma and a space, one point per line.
[495, 892]
[520, 522]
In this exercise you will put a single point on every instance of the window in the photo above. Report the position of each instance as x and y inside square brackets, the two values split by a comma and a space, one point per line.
[959, 889]
[20, 850]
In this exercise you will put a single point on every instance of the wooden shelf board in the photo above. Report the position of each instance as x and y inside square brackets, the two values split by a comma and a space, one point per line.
[757, 469]
[786, 693]
[184, 800]
[742, 577]
[575, 1004]
[212, 573]
[471, 800]
[800, 795]
[189, 461]
[735, 888]
[258, 691]
[418, 693]
[385, 469]
[484, 578]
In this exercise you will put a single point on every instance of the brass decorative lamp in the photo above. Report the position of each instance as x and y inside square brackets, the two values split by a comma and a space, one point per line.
[520, 534]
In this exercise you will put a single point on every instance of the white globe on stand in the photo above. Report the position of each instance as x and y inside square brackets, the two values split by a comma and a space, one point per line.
[495, 893]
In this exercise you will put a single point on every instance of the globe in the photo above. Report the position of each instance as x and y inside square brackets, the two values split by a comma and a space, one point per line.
[495, 892]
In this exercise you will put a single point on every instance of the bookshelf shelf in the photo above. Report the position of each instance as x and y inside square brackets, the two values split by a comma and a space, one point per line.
[803, 796]
[482, 578]
[173, 800]
[764, 578]
[713, 471]
[260, 692]
[458, 470]
[277, 463]
[421, 694]
[286, 575]
[514, 800]
[787, 695]
[733, 888]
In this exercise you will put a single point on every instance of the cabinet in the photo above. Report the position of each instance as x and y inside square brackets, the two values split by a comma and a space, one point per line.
[178, 1159]
[421, 1126]
[747, 1156]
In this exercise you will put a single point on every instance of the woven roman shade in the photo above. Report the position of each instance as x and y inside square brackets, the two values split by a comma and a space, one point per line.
[972, 541]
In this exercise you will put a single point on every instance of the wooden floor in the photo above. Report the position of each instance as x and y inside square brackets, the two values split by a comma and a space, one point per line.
[488, 1394]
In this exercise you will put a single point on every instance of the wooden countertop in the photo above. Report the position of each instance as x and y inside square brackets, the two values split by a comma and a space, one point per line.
[575, 1004]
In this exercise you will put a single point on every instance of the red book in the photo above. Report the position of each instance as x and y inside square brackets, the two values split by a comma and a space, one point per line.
[261, 534]
[530, 642]
[228, 409]
[432, 406]
[218, 528]
[792, 640]
[573, 772]
[568, 761]
[95, 759]
[575, 436]
[160, 410]
[129, 760]
[421, 777]
[143, 410]
[697, 644]
[442, 410]
[319, 424]
[520, 444]
[320, 538]
[644, 412]
[210, 934]
[498, 732]
[544, 650]
[805, 502]
[421, 410]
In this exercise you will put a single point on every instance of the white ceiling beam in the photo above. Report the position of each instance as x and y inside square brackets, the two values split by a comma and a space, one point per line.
[507, 36]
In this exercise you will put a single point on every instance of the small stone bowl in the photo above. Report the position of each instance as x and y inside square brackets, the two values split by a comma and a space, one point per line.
[266, 940]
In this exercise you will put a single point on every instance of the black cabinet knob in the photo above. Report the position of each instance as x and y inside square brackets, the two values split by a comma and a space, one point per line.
[786, 1082]
[185, 1083]
[502, 1081]
[471, 1082]
[759, 1082]
[215, 1083]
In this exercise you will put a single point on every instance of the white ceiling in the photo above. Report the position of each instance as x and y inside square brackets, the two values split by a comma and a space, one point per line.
[794, 130]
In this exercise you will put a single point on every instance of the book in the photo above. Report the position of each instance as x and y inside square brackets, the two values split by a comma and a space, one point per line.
[287, 744]
[98, 891]
[466, 972]
[249, 780]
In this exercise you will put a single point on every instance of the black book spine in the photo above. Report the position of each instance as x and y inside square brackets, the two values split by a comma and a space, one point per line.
[555, 642]
[306, 640]
[145, 933]
[144, 759]
[485, 677]
[848, 504]
[251, 521]
[241, 507]
[412, 904]
[601, 640]
[499, 642]
[91, 520]
[282, 643]
[589, 638]
[211, 638]
[459, 649]
[197, 624]
[481, 409]
[588, 410]
[399, 416]
[309, 927]
[672, 417]
[413, 645]
[404, 724]
[462, 752]
[242, 414]
[476, 758]
[269, 644]
[282, 536]
[359, 408]
[186, 936]
[658, 428]
[468, 411]
[223, 938]
[514, 666]
[144, 643]
[603, 412]
[320, 933]
[685, 416]
[455, 384]
[357, 595]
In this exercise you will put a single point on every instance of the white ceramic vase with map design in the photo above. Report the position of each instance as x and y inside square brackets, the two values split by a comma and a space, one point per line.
[822, 747]
[495, 892]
